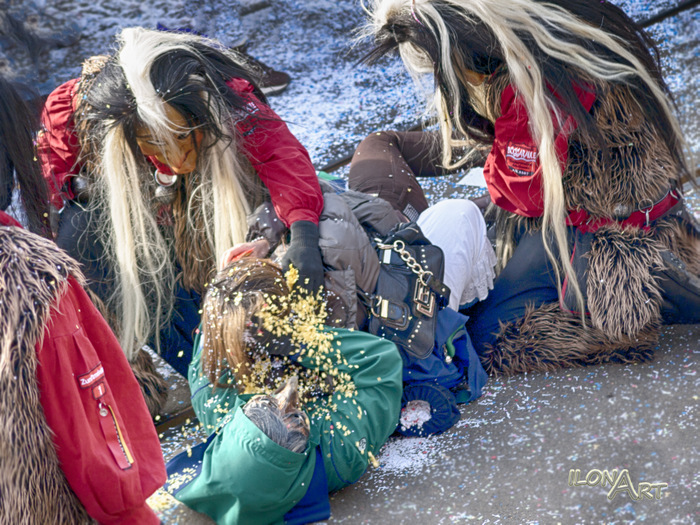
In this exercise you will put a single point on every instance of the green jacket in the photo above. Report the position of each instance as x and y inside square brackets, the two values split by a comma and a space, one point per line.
[247, 478]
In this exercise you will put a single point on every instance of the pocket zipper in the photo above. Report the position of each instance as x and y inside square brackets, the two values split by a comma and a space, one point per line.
[114, 437]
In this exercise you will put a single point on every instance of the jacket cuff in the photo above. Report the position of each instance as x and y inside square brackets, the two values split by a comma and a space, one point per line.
[301, 214]
[304, 234]
[143, 515]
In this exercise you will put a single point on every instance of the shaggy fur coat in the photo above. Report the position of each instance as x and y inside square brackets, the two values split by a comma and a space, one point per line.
[33, 489]
[623, 294]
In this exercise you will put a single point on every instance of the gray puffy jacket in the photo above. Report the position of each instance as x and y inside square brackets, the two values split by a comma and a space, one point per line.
[351, 264]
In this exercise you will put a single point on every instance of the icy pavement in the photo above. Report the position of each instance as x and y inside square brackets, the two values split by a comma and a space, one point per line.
[508, 459]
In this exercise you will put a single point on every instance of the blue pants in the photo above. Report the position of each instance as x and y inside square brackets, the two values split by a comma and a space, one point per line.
[527, 279]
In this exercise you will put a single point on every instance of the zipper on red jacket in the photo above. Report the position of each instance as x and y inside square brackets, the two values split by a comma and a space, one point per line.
[114, 437]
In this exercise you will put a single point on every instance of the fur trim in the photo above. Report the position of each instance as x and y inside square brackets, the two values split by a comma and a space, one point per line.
[548, 338]
[640, 166]
[678, 234]
[153, 387]
[33, 488]
[623, 295]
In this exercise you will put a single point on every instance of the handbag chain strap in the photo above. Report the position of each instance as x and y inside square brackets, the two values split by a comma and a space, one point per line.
[400, 247]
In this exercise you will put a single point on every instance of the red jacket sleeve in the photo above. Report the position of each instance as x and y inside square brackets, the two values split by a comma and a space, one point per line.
[512, 171]
[104, 436]
[279, 159]
[57, 143]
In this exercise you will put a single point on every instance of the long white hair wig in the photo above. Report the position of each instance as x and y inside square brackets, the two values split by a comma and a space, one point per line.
[149, 71]
[539, 43]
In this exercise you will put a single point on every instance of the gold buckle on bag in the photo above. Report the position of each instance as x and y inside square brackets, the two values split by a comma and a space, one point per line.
[424, 299]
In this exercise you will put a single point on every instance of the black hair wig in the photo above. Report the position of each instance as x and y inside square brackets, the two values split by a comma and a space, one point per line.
[18, 123]
[109, 99]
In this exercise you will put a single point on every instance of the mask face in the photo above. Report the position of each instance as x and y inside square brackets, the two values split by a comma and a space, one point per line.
[181, 154]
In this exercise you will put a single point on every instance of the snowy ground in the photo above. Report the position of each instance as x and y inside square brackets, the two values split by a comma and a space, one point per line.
[508, 459]
[332, 102]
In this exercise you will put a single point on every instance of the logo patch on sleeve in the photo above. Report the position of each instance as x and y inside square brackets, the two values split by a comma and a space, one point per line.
[521, 159]
[98, 390]
[93, 376]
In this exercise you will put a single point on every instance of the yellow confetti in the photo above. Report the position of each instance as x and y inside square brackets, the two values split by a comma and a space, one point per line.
[372, 459]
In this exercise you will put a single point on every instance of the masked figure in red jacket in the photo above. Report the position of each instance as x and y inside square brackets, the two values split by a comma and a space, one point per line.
[585, 171]
[156, 156]
[77, 443]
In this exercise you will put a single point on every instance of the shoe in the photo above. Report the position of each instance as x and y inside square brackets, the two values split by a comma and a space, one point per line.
[272, 82]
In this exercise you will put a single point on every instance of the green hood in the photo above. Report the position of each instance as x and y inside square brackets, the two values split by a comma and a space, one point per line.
[275, 478]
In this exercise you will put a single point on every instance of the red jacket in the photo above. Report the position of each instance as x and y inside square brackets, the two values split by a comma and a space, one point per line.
[278, 157]
[104, 436]
[513, 173]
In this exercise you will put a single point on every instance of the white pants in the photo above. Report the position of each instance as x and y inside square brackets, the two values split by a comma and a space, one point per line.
[458, 228]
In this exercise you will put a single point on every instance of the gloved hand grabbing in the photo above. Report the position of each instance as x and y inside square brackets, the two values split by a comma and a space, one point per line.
[305, 255]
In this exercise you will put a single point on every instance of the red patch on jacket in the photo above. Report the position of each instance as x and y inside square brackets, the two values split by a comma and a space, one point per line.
[94, 375]
[521, 159]
[98, 391]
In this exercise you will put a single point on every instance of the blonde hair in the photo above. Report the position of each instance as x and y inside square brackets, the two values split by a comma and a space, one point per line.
[216, 210]
[507, 21]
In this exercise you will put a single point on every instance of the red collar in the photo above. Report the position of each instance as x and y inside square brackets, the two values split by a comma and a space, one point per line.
[6, 220]
[641, 218]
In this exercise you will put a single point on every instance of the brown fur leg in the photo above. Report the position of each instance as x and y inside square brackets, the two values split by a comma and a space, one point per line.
[153, 387]
[623, 295]
[548, 338]
[681, 238]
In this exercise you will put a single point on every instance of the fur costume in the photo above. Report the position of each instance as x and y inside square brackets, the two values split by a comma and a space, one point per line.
[570, 95]
[623, 294]
[548, 338]
[33, 488]
[153, 386]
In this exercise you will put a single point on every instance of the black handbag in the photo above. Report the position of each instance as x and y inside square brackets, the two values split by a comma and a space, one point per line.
[409, 290]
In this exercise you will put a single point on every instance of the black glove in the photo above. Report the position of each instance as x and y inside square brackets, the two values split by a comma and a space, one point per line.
[305, 255]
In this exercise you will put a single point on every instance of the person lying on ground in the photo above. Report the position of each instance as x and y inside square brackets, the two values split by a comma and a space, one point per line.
[258, 332]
